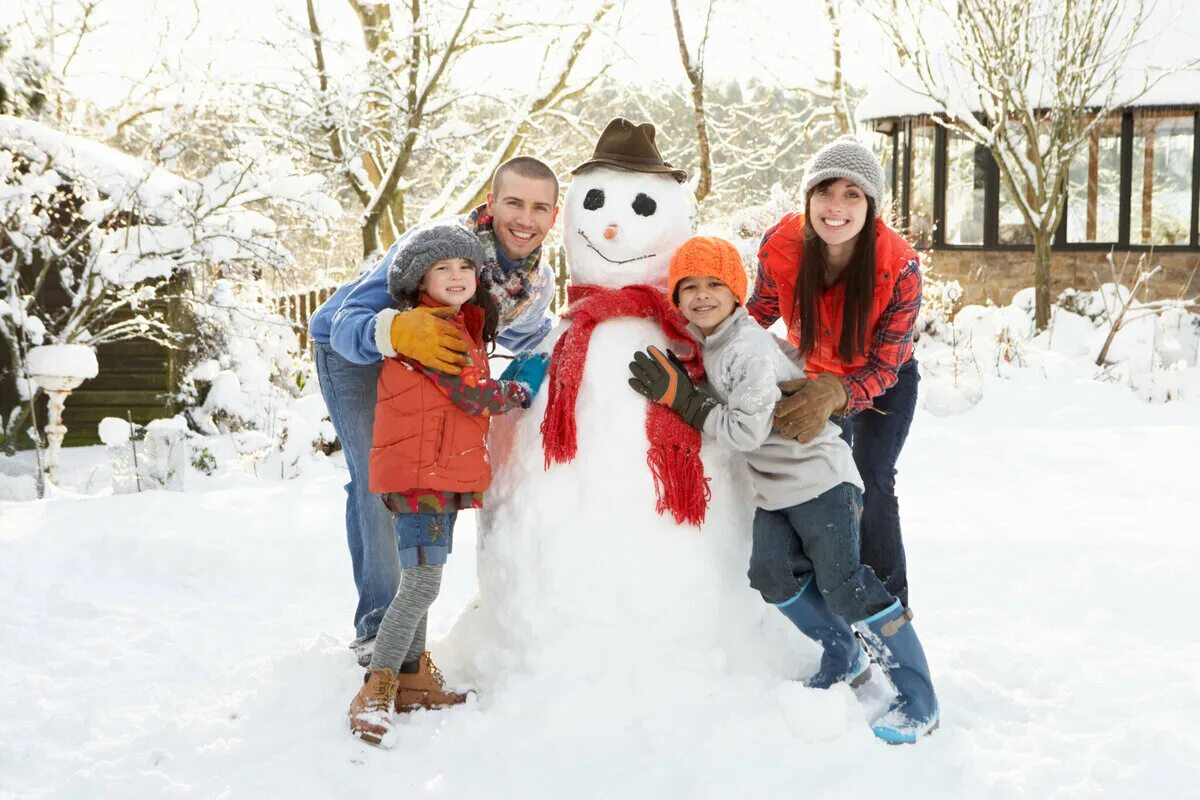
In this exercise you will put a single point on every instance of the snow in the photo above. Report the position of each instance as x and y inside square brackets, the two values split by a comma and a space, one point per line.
[63, 361]
[205, 655]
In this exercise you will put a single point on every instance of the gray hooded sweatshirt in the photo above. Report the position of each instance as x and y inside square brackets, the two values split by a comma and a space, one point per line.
[745, 364]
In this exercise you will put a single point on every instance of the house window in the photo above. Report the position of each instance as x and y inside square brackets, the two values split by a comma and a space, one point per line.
[920, 203]
[966, 177]
[1012, 229]
[1160, 209]
[1094, 187]
[882, 143]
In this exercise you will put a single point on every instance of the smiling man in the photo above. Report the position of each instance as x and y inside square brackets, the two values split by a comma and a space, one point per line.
[359, 326]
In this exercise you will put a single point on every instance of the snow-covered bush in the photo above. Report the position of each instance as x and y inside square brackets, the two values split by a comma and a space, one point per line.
[248, 375]
[244, 371]
[111, 231]
[1105, 335]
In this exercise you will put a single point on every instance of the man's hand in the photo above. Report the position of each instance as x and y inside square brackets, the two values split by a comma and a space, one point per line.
[807, 405]
[424, 335]
[664, 380]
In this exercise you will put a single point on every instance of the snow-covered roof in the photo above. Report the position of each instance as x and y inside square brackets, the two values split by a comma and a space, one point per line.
[1168, 42]
[114, 173]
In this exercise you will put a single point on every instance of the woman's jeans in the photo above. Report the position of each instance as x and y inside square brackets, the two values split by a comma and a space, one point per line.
[877, 435]
[349, 390]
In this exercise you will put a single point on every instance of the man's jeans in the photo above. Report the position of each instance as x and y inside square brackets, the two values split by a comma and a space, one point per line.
[877, 435]
[349, 390]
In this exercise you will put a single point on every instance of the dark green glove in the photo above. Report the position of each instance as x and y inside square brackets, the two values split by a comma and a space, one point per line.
[664, 380]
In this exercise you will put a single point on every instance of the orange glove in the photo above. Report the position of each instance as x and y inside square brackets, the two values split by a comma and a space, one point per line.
[424, 335]
[808, 404]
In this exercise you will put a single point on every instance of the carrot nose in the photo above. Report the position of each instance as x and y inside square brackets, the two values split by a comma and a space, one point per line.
[610, 232]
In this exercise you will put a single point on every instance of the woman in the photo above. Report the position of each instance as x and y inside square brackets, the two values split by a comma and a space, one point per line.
[849, 288]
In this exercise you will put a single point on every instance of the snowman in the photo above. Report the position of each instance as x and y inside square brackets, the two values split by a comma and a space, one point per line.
[613, 546]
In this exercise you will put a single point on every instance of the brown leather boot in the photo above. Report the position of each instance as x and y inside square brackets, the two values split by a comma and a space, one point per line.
[371, 708]
[425, 688]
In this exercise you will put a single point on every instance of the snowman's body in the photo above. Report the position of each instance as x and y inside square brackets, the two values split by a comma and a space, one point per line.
[577, 570]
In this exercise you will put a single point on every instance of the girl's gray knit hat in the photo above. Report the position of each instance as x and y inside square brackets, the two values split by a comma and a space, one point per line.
[846, 157]
[426, 246]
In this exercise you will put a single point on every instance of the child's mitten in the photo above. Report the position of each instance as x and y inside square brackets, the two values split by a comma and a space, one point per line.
[529, 370]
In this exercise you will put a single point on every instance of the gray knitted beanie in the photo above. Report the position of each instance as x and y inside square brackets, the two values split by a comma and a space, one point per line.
[847, 157]
[426, 247]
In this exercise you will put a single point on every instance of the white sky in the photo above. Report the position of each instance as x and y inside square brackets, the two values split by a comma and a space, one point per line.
[786, 40]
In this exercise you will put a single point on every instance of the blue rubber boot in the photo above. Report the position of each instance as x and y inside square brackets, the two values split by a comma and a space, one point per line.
[843, 659]
[899, 653]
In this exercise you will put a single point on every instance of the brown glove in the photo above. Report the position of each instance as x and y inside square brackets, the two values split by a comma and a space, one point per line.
[424, 335]
[808, 404]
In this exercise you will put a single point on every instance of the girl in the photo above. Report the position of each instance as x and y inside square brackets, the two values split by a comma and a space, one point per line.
[849, 288]
[428, 461]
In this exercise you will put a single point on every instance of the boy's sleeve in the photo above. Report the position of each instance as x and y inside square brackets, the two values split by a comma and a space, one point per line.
[744, 421]
[359, 330]
[476, 394]
[527, 331]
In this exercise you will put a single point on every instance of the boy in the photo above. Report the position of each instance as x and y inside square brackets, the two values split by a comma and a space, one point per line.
[808, 496]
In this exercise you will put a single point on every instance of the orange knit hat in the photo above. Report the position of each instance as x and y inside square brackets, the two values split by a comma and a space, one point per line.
[707, 255]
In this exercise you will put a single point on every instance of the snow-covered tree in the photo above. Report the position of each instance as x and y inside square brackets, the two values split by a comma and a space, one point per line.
[404, 119]
[1030, 81]
[23, 79]
[89, 236]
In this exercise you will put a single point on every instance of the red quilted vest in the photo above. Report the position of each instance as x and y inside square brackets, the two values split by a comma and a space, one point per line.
[781, 258]
[421, 439]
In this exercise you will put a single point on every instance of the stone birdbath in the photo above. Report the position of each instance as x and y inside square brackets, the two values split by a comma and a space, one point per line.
[59, 369]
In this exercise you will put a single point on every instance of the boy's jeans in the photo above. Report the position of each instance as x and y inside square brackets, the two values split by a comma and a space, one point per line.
[877, 439]
[817, 539]
[349, 390]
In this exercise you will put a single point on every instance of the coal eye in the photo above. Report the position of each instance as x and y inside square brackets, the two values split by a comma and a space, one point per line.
[644, 205]
[594, 199]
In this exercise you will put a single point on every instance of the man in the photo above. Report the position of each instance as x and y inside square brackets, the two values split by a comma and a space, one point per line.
[358, 327]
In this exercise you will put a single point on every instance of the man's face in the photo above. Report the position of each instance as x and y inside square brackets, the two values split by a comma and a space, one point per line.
[523, 211]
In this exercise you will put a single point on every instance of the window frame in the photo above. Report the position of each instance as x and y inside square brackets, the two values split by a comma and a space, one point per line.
[902, 192]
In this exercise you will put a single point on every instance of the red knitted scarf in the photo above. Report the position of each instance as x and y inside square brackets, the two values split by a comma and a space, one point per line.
[674, 455]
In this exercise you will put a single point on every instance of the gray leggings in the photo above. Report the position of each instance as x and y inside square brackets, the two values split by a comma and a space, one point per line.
[401, 637]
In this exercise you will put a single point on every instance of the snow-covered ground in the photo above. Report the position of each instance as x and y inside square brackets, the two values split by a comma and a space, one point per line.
[193, 645]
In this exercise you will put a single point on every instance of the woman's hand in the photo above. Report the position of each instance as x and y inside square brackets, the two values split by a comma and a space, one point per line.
[807, 405]
[424, 335]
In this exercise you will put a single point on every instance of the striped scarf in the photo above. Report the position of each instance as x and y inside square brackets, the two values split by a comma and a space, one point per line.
[514, 291]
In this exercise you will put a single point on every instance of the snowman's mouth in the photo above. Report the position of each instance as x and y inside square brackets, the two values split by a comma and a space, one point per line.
[596, 250]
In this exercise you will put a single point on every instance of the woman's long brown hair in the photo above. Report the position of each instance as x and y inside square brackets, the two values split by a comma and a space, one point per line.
[859, 277]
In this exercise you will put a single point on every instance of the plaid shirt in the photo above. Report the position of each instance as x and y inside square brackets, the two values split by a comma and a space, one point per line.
[890, 348]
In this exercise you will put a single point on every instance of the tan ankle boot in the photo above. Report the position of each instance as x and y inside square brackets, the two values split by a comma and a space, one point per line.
[425, 688]
[371, 708]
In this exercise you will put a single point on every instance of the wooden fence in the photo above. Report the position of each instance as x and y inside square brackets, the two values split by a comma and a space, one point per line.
[298, 309]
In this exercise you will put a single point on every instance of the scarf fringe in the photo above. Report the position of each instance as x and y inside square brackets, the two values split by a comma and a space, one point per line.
[679, 483]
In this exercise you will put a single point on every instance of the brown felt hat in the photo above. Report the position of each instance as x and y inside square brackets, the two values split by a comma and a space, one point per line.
[628, 146]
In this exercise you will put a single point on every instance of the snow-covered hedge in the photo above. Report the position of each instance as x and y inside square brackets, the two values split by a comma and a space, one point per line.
[1153, 351]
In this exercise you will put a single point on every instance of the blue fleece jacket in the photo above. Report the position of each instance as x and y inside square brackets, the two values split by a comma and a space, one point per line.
[348, 320]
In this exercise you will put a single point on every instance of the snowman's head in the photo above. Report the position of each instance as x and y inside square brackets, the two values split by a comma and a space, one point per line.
[621, 227]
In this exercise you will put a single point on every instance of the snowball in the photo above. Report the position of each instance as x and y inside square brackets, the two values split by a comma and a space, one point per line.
[114, 431]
